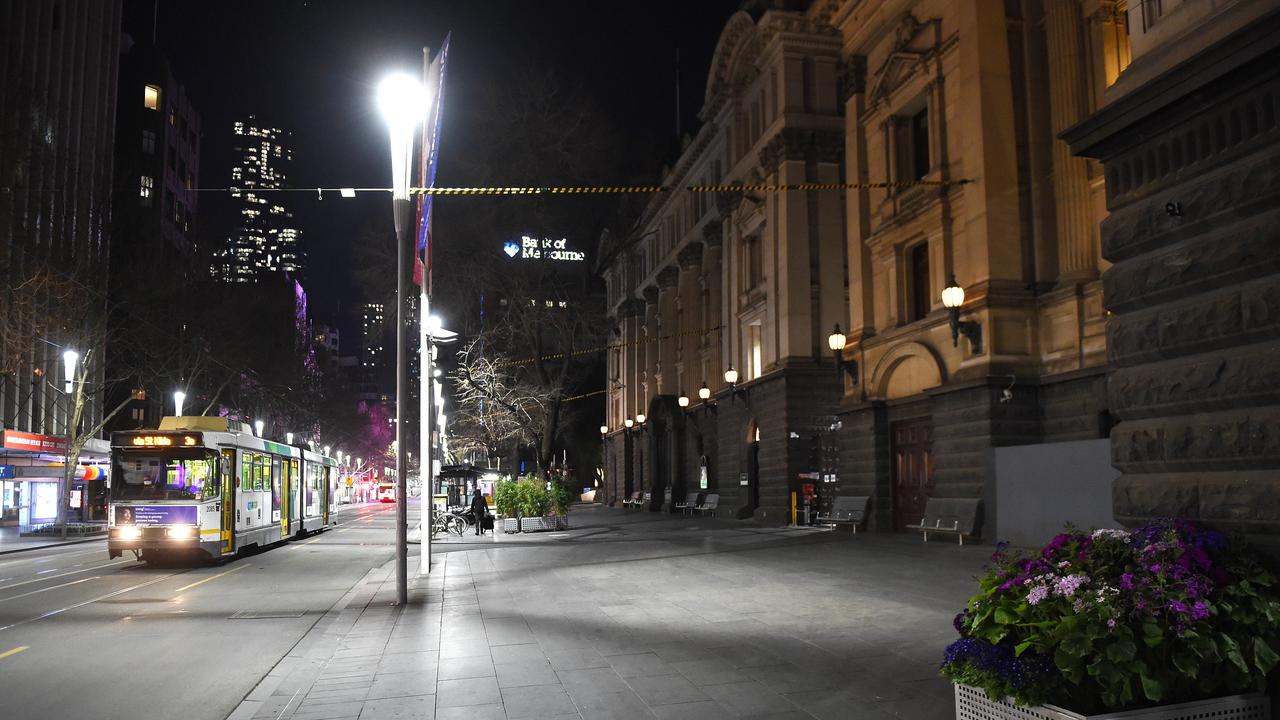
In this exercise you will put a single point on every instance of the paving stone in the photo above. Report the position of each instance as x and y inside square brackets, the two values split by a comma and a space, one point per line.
[465, 667]
[529, 672]
[537, 701]
[417, 707]
[749, 698]
[713, 671]
[639, 665]
[578, 659]
[665, 689]
[613, 706]
[389, 685]
[704, 710]
[469, 691]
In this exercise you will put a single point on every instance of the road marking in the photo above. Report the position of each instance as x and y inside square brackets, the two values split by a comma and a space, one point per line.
[59, 555]
[211, 577]
[54, 587]
[14, 651]
[90, 601]
[73, 572]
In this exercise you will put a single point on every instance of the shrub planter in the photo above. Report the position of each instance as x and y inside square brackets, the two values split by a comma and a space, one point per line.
[536, 524]
[973, 704]
[510, 525]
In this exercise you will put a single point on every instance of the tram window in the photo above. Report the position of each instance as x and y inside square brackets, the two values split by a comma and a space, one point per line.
[263, 466]
[212, 485]
[275, 483]
[246, 471]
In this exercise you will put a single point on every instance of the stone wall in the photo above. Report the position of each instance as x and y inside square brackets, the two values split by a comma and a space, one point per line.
[1192, 162]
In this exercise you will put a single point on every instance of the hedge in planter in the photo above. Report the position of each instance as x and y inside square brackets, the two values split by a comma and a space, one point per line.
[1114, 620]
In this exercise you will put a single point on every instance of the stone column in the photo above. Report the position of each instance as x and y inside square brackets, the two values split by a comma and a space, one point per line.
[689, 343]
[1068, 105]
[712, 280]
[650, 338]
[667, 328]
[789, 284]
[631, 375]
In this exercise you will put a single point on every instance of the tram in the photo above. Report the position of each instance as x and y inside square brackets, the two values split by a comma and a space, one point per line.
[208, 487]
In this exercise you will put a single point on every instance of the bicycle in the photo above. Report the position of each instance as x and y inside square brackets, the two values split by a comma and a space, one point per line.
[447, 522]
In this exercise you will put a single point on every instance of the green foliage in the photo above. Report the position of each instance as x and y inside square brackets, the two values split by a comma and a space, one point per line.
[532, 498]
[561, 498]
[505, 497]
[1116, 620]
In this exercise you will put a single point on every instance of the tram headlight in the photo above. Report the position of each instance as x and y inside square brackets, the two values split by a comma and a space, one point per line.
[128, 532]
[181, 532]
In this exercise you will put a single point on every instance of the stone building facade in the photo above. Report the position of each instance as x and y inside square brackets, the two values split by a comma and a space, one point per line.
[749, 280]
[968, 96]
[1191, 148]
[948, 111]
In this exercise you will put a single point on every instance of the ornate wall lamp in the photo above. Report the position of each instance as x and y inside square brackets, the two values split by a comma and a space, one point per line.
[836, 341]
[953, 299]
[731, 379]
[704, 394]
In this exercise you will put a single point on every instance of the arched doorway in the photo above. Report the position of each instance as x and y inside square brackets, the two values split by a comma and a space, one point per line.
[751, 490]
[666, 451]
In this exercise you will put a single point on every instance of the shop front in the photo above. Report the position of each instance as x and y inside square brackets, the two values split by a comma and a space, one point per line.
[31, 466]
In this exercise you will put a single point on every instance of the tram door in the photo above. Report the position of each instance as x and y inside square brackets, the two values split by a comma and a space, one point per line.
[325, 477]
[295, 495]
[286, 487]
[228, 501]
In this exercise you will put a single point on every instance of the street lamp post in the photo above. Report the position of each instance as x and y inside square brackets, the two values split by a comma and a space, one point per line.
[403, 102]
[69, 360]
[179, 398]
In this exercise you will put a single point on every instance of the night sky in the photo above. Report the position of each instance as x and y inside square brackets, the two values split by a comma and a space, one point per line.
[311, 66]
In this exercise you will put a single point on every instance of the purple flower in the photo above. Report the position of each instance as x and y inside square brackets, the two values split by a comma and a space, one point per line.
[1155, 567]
[1126, 581]
[1067, 586]
[1199, 611]
[1177, 607]
[1111, 623]
[1037, 594]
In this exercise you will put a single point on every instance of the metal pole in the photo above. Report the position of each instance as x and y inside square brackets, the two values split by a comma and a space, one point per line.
[426, 388]
[403, 214]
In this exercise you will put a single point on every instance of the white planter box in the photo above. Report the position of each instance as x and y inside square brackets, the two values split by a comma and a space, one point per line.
[972, 704]
[536, 524]
[562, 522]
[510, 525]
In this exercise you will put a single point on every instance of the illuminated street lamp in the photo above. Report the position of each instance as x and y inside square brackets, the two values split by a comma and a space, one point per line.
[628, 423]
[640, 418]
[403, 102]
[69, 360]
[258, 425]
[178, 398]
[326, 451]
[288, 438]
[604, 429]
[683, 400]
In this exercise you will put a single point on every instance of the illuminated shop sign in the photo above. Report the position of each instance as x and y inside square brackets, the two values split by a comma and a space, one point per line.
[542, 249]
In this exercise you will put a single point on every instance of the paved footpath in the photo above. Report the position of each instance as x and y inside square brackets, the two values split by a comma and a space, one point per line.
[636, 615]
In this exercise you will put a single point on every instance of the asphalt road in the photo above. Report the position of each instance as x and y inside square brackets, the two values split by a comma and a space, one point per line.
[88, 637]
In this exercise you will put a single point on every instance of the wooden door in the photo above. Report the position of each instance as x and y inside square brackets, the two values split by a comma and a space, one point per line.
[912, 471]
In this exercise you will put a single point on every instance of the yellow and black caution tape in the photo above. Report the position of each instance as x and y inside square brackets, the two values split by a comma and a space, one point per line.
[731, 188]
[584, 395]
[605, 348]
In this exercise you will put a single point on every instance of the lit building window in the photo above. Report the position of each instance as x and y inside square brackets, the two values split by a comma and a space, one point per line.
[151, 97]
[754, 343]
[145, 188]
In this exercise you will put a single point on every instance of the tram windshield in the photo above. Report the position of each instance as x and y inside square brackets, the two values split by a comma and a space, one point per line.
[177, 474]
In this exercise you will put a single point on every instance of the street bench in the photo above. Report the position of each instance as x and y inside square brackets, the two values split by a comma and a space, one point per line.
[633, 501]
[957, 516]
[690, 502]
[848, 510]
[708, 505]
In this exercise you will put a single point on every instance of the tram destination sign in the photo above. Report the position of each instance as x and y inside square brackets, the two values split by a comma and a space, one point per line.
[155, 514]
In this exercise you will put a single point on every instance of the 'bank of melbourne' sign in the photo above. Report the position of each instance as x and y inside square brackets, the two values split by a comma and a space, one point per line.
[542, 249]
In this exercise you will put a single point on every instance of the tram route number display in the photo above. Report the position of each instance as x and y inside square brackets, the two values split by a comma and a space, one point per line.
[155, 514]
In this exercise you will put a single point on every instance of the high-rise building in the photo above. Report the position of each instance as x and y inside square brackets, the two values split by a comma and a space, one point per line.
[58, 64]
[153, 249]
[266, 241]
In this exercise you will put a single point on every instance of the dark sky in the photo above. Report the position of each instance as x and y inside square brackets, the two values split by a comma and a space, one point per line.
[312, 66]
